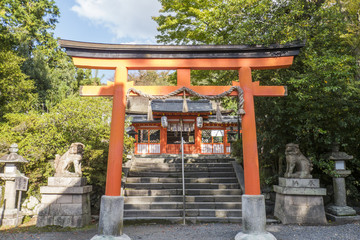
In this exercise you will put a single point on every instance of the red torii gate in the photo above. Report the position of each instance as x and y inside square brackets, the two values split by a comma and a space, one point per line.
[122, 58]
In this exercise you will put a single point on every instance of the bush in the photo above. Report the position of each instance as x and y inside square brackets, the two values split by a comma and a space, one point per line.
[41, 136]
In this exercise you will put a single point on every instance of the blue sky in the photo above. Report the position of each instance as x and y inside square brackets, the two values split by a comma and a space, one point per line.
[108, 21]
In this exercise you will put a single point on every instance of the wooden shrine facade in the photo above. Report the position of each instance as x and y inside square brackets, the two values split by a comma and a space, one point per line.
[183, 59]
[199, 127]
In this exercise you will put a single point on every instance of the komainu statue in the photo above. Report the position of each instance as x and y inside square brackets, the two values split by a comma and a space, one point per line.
[297, 165]
[72, 156]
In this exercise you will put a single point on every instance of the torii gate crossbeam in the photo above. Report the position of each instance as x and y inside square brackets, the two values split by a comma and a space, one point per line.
[122, 58]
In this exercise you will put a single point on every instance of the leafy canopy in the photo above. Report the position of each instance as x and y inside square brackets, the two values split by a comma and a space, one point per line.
[323, 83]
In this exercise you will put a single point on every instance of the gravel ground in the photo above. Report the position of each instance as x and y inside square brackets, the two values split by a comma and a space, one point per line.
[204, 231]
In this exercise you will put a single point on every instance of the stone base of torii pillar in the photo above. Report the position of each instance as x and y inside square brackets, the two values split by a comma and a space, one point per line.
[254, 219]
[111, 219]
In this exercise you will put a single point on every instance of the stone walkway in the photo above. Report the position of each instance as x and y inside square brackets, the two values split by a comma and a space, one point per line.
[211, 231]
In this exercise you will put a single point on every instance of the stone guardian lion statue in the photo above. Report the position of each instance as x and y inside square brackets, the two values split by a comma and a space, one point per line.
[297, 165]
[72, 156]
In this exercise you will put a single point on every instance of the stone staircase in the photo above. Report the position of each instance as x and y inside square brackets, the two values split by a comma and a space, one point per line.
[153, 190]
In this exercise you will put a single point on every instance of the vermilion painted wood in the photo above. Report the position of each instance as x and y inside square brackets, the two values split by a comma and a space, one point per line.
[183, 66]
[268, 91]
[116, 144]
[250, 153]
[183, 77]
[163, 140]
[197, 139]
[174, 64]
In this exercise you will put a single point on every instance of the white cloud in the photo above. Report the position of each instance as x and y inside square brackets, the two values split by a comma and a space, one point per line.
[128, 20]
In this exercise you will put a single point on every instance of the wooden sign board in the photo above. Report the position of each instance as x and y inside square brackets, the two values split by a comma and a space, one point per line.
[21, 183]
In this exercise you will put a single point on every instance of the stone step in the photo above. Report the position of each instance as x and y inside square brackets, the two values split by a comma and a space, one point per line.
[179, 180]
[133, 220]
[219, 213]
[154, 213]
[179, 198]
[179, 186]
[179, 174]
[179, 205]
[152, 220]
[187, 169]
[201, 219]
[153, 190]
[186, 160]
[167, 192]
[179, 165]
[144, 219]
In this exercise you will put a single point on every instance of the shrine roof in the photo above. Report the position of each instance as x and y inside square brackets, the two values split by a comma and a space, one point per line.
[176, 105]
[225, 119]
[141, 119]
[139, 51]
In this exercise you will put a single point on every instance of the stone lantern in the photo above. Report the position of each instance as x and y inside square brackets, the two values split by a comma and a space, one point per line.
[340, 208]
[11, 173]
[231, 136]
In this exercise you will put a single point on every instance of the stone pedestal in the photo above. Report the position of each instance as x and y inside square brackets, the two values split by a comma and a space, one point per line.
[9, 215]
[65, 202]
[299, 201]
[254, 219]
[111, 219]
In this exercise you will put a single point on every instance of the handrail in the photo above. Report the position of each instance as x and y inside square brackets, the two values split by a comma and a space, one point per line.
[183, 178]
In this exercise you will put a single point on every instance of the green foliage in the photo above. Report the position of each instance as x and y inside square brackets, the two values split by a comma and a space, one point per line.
[16, 90]
[27, 25]
[41, 136]
[323, 83]
[38, 107]
[237, 150]
[26, 29]
[153, 78]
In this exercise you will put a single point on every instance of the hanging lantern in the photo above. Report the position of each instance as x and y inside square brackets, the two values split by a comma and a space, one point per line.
[164, 122]
[199, 122]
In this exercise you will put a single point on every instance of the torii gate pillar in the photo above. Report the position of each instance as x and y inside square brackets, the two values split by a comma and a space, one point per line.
[121, 58]
[117, 130]
[250, 152]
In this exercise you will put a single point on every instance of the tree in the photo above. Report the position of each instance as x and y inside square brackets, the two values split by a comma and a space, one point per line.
[16, 90]
[323, 83]
[26, 28]
[27, 25]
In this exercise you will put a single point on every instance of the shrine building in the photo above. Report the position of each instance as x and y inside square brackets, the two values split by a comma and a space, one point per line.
[203, 126]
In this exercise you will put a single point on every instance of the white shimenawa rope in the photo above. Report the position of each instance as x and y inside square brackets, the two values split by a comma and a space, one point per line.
[193, 93]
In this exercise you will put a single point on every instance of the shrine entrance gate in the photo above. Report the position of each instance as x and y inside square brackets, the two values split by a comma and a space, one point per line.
[183, 59]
